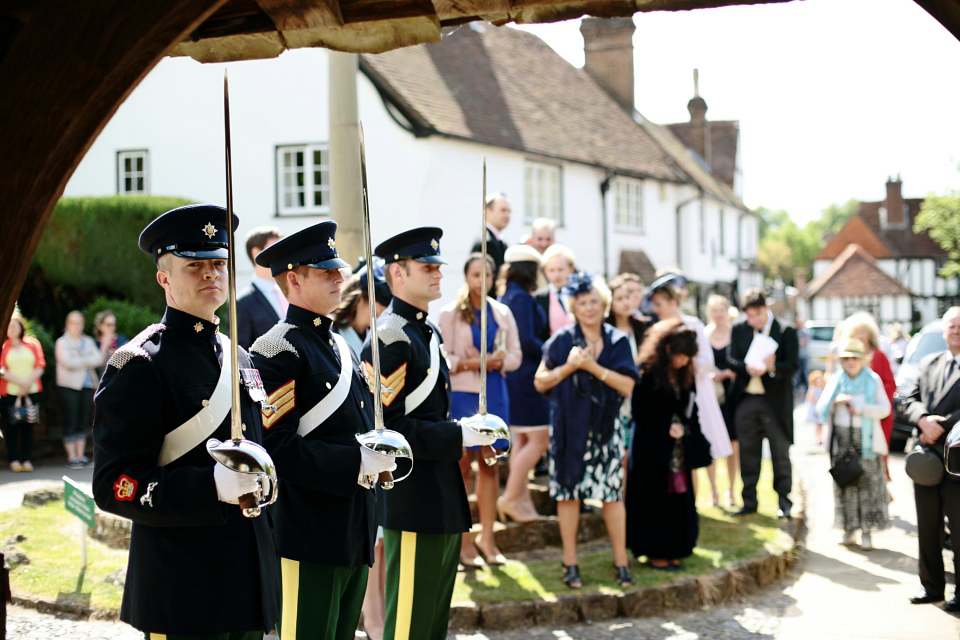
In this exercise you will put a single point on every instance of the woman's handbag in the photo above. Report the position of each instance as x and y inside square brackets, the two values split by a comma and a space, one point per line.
[696, 450]
[848, 469]
[24, 412]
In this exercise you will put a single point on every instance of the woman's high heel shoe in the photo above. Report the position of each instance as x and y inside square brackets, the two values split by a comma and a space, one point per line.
[504, 511]
[571, 576]
[624, 577]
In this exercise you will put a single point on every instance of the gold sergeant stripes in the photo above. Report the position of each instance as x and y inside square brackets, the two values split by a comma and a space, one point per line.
[390, 385]
[284, 399]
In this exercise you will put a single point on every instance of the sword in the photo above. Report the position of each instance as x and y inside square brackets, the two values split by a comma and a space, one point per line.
[238, 453]
[385, 441]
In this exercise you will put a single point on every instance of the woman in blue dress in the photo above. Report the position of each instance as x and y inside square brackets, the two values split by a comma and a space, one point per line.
[589, 369]
[529, 411]
[460, 326]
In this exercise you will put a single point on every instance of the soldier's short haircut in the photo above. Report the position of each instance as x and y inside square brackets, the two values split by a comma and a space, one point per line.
[387, 275]
[281, 278]
[163, 262]
[259, 237]
[752, 298]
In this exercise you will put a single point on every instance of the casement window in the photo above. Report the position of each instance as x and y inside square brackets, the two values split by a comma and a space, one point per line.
[133, 172]
[303, 179]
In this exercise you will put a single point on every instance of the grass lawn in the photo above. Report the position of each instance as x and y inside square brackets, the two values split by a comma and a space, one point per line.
[723, 538]
[53, 546]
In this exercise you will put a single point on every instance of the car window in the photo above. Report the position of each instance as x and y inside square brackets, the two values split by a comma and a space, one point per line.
[821, 333]
[923, 344]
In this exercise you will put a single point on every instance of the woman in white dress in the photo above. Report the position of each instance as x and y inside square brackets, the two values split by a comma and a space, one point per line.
[665, 294]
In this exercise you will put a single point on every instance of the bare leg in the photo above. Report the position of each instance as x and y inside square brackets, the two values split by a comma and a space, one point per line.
[615, 517]
[733, 470]
[374, 610]
[468, 552]
[568, 514]
[712, 476]
[528, 447]
[488, 485]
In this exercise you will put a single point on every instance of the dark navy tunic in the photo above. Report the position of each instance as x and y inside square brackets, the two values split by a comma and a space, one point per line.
[433, 499]
[322, 515]
[197, 566]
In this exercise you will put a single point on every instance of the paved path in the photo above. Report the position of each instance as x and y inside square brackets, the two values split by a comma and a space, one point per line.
[839, 592]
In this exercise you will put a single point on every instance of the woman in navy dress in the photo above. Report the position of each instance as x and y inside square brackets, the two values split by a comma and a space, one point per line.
[529, 411]
[589, 369]
[460, 326]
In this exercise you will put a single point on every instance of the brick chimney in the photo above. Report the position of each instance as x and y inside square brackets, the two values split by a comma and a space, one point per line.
[699, 127]
[608, 56]
[895, 214]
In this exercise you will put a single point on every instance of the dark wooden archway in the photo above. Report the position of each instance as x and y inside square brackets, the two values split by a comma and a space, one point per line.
[65, 68]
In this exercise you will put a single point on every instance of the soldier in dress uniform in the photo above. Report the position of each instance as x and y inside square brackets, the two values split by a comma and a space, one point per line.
[425, 515]
[197, 567]
[325, 521]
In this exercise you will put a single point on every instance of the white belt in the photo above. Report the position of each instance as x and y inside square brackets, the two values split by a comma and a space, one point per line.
[204, 424]
[416, 397]
[332, 401]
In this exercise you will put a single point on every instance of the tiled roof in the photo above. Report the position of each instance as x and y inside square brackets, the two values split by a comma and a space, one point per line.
[864, 227]
[636, 261]
[506, 87]
[855, 273]
[722, 154]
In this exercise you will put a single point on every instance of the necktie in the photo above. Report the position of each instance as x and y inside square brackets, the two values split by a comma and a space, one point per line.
[558, 316]
[946, 375]
[281, 300]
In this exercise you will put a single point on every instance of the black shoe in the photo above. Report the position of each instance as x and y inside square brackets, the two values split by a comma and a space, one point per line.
[784, 515]
[952, 604]
[924, 597]
[745, 511]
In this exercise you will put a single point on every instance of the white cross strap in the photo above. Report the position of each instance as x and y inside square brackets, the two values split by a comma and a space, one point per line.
[416, 397]
[332, 401]
[202, 425]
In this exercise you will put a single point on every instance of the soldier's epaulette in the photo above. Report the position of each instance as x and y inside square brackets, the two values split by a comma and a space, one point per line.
[274, 341]
[134, 348]
[390, 329]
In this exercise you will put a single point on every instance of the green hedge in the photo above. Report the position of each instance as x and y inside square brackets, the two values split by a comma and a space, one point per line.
[90, 245]
[131, 318]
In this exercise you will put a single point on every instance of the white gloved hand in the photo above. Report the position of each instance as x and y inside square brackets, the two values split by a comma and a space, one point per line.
[233, 484]
[372, 464]
[473, 439]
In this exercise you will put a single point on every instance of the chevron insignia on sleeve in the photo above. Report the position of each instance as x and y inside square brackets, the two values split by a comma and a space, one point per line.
[390, 386]
[283, 399]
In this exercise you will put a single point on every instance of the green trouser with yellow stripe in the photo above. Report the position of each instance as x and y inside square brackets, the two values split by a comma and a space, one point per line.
[319, 601]
[236, 635]
[421, 572]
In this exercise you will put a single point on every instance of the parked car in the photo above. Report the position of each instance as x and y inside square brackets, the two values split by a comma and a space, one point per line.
[928, 340]
[821, 334]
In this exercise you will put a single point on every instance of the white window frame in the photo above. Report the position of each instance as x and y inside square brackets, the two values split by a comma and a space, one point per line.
[543, 192]
[134, 174]
[628, 209]
[296, 185]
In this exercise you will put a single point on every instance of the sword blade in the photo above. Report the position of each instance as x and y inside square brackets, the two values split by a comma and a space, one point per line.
[371, 290]
[236, 429]
[482, 402]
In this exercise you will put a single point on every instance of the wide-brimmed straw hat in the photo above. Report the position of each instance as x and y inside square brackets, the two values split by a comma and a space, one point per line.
[852, 348]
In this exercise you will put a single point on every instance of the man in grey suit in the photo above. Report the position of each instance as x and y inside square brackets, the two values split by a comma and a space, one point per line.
[933, 404]
[262, 304]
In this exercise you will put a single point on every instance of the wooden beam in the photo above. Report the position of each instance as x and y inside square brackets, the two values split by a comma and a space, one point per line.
[292, 15]
[454, 9]
[64, 76]
[947, 13]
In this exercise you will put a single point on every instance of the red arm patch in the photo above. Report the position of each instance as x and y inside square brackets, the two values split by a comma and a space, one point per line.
[125, 488]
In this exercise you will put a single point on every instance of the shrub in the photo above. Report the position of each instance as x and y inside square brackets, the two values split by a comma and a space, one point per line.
[131, 318]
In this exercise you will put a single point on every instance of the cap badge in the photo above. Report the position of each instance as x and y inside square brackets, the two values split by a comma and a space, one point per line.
[198, 327]
[316, 322]
[434, 244]
[210, 230]
[419, 315]
[331, 243]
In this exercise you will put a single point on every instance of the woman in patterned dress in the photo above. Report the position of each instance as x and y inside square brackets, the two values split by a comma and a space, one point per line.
[854, 401]
[588, 368]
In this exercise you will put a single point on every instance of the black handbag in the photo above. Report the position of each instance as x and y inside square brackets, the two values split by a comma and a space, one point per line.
[848, 469]
[696, 447]
[24, 412]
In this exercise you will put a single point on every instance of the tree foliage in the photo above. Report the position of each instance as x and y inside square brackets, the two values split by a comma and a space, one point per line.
[940, 217]
[785, 247]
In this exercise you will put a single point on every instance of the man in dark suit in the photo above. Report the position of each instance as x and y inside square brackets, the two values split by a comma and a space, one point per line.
[933, 404]
[498, 217]
[262, 304]
[762, 399]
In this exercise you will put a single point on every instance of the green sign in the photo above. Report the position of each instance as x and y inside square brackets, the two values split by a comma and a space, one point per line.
[78, 502]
